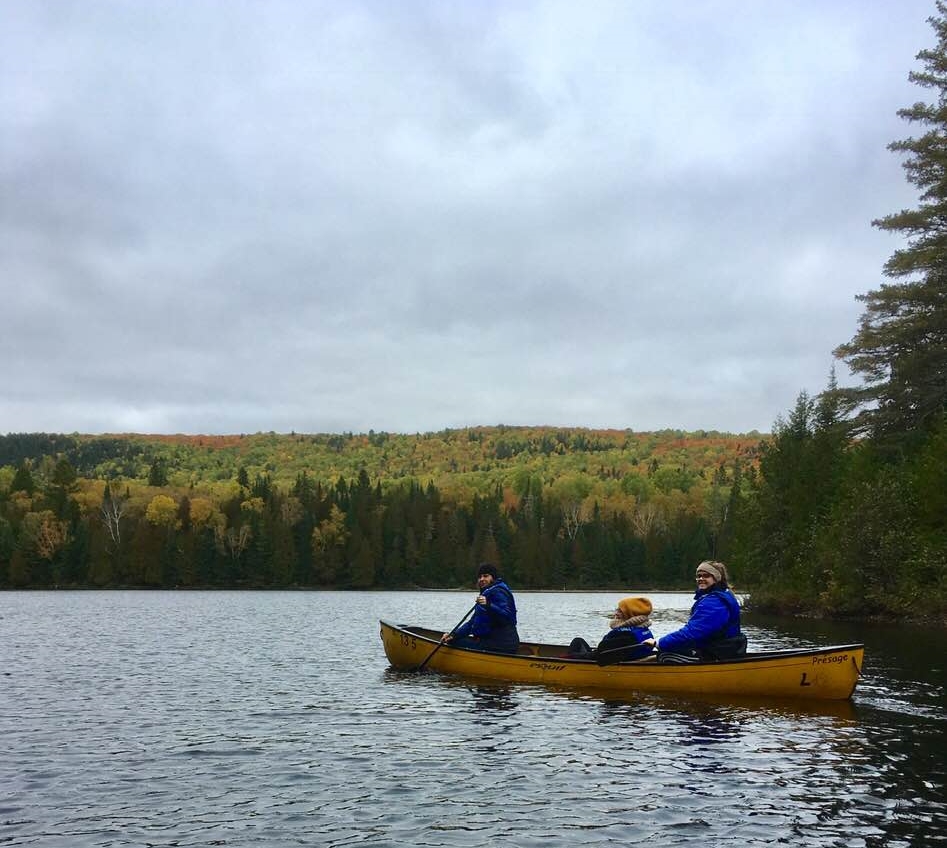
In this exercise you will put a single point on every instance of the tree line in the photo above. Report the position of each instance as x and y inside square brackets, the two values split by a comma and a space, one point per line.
[553, 507]
[349, 534]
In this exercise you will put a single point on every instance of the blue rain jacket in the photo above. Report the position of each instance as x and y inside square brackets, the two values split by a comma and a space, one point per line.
[714, 615]
[494, 624]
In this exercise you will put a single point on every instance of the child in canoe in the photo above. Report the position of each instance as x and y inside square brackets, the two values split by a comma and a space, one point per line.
[629, 629]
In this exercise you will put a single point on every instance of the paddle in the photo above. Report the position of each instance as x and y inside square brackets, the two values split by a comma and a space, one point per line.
[611, 656]
[444, 641]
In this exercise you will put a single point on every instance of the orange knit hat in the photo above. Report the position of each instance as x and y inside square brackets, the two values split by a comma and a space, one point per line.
[632, 607]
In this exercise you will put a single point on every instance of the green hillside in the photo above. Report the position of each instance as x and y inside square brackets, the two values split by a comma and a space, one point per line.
[471, 459]
[553, 506]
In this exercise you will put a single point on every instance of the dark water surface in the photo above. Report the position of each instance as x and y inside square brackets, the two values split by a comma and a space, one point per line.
[272, 719]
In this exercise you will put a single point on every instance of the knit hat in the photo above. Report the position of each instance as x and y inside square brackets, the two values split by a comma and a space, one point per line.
[632, 607]
[717, 569]
[486, 568]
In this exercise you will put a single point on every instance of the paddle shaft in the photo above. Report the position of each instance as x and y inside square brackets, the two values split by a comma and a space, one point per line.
[611, 656]
[443, 641]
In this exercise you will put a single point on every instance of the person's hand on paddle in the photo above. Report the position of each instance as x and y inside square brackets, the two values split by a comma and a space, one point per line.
[447, 637]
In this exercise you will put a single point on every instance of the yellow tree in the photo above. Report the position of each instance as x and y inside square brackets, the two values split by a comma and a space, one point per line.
[204, 513]
[162, 511]
[328, 540]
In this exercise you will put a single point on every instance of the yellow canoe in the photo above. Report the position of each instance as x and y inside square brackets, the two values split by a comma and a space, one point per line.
[812, 674]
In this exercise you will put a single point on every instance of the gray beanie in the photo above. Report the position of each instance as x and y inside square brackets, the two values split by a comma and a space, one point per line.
[717, 569]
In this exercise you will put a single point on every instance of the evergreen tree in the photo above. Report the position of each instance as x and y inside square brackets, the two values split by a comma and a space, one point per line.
[23, 480]
[7, 547]
[158, 473]
[900, 349]
[62, 483]
[262, 487]
[787, 502]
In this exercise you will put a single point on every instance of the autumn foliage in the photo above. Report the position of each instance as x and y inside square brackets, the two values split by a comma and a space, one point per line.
[553, 507]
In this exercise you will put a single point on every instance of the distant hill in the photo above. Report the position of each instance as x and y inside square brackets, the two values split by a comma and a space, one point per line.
[475, 459]
[554, 507]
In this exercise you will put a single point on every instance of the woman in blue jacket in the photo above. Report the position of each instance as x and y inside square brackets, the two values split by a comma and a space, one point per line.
[713, 630]
[493, 626]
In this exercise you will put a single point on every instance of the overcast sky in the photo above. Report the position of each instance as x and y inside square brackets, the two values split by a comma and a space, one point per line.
[229, 217]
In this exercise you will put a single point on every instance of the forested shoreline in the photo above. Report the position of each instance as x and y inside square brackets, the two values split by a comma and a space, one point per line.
[555, 508]
[811, 521]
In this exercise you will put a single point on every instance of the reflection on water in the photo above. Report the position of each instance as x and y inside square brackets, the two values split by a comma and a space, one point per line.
[905, 667]
[261, 719]
[710, 726]
[492, 700]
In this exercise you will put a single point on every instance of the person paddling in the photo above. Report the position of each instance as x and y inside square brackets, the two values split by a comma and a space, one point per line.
[493, 625]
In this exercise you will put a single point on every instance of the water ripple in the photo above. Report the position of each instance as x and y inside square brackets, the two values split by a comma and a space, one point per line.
[168, 719]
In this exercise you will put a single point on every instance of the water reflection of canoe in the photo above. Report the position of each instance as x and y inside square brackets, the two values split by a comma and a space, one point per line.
[818, 673]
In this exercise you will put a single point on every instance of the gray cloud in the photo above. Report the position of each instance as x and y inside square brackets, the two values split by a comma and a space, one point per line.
[232, 217]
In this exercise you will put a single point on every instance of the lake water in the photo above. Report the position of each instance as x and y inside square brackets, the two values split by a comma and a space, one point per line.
[272, 719]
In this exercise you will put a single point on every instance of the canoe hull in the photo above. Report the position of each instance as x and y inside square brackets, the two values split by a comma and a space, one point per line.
[818, 674]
